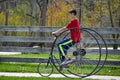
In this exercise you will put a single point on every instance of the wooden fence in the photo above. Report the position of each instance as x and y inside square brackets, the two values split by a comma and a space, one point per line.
[21, 39]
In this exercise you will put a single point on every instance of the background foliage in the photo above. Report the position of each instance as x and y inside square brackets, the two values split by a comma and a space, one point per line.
[29, 12]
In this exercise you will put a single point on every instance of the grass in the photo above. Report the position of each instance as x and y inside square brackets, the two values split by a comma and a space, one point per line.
[28, 55]
[46, 55]
[17, 67]
[29, 67]
[37, 78]
[109, 57]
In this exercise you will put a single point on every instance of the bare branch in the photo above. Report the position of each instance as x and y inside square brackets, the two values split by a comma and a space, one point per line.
[38, 3]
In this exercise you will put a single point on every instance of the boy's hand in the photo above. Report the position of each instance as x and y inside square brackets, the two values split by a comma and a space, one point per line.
[54, 33]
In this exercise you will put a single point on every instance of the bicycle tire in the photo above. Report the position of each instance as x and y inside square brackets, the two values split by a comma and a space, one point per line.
[45, 69]
[70, 72]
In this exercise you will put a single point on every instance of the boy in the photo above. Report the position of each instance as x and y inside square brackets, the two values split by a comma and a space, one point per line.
[74, 36]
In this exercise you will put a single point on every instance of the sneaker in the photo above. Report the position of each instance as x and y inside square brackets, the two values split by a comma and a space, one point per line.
[65, 62]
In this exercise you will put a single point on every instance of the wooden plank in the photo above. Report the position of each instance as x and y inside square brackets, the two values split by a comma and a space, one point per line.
[28, 28]
[39, 50]
[93, 41]
[42, 60]
[103, 51]
[51, 39]
[25, 39]
[107, 30]
[24, 49]
[15, 59]
[108, 62]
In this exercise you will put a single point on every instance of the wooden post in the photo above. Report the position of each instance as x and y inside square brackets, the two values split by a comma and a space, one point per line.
[6, 13]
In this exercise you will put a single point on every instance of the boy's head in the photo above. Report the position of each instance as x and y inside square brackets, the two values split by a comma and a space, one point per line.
[72, 13]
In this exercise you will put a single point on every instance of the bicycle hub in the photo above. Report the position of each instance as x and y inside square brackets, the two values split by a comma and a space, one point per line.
[81, 52]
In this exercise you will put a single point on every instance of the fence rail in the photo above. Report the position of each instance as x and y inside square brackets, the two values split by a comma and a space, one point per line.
[51, 39]
[47, 39]
[37, 60]
[108, 30]
[45, 49]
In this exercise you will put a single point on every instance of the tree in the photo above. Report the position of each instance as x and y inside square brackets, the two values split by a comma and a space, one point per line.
[43, 10]
[115, 46]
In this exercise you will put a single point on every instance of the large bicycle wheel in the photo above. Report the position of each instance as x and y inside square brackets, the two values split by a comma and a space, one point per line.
[86, 55]
[45, 69]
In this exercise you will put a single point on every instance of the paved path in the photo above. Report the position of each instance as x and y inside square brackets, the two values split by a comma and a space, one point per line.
[57, 75]
[9, 53]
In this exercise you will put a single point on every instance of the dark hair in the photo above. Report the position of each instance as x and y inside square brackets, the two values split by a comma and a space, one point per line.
[73, 11]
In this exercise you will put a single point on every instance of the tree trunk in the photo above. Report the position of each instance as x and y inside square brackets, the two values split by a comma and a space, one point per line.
[115, 36]
[6, 19]
[6, 13]
[79, 5]
[43, 10]
[43, 13]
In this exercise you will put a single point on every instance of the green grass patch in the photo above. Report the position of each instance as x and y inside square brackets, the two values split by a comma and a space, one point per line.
[37, 78]
[17, 67]
[29, 67]
[110, 70]
[28, 55]
[46, 55]
[109, 57]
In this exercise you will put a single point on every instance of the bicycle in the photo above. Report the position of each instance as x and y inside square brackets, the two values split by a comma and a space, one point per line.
[88, 56]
